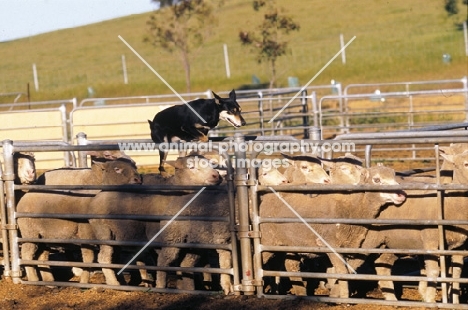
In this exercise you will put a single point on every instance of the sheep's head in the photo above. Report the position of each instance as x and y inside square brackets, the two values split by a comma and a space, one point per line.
[381, 175]
[460, 166]
[107, 155]
[196, 170]
[345, 170]
[271, 176]
[117, 172]
[25, 168]
[309, 167]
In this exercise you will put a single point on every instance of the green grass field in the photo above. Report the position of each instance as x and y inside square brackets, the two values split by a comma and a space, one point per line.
[396, 40]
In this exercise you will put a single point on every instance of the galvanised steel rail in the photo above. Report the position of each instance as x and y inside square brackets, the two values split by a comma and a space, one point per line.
[249, 277]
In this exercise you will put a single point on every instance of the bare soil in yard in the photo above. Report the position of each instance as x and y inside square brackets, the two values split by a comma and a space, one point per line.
[20, 296]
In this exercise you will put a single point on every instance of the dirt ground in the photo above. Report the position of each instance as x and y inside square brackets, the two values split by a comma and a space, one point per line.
[20, 296]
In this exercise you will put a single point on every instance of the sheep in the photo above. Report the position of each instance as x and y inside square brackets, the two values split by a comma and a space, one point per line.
[355, 205]
[195, 168]
[346, 169]
[71, 202]
[106, 155]
[423, 205]
[303, 169]
[124, 171]
[189, 170]
[206, 204]
[271, 176]
[24, 168]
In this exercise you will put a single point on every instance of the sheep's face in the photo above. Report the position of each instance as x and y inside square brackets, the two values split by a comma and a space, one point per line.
[271, 177]
[460, 173]
[313, 172]
[196, 170]
[460, 166]
[345, 173]
[385, 176]
[25, 168]
[116, 172]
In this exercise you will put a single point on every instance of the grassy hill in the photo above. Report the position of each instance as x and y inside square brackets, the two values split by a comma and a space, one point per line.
[396, 40]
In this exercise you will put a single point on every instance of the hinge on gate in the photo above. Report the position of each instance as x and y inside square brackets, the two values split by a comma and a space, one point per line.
[252, 182]
[246, 232]
[8, 177]
[241, 179]
[249, 234]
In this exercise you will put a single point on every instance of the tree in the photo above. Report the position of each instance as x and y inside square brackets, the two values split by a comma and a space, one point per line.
[267, 40]
[163, 3]
[182, 28]
[451, 7]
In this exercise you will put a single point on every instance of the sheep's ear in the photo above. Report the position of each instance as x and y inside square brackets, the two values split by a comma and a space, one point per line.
[289, 157]
[365, 174]
[448, 150]
[97, 165]
[447, 157]
[328, 163]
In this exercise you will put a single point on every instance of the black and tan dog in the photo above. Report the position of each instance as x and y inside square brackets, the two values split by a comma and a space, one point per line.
[181, 123]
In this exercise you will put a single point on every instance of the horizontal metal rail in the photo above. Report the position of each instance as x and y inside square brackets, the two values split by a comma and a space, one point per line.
[147, 267]
[307, 249]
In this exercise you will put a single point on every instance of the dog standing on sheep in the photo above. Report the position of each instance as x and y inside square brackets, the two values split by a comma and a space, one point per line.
[179, 122]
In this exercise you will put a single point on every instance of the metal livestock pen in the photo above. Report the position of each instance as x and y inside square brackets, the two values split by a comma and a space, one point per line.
[248, 273]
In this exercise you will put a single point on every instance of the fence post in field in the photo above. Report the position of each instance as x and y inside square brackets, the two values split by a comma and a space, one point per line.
[226, 60]
[36, 80]
[124, 69]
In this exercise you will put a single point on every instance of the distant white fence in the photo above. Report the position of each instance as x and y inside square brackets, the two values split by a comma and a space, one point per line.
[359, 108]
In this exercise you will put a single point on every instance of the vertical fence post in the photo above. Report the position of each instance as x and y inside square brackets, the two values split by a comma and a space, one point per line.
[36, 80]
[67, 156]
[465, 34]
[3, 218]
[260, 112]
[226, 60]
[124, 69]
[368, 156]
[9, 178]
[464, 80]
[305, 114]
[82, 159]
[343, 53]
[440, 228]
[315, 110]
[241, 181]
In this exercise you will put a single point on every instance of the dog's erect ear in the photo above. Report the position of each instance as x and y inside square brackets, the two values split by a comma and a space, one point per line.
[217, 98]
[232, 95]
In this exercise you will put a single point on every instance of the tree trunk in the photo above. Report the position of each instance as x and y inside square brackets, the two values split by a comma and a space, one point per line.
[273, 73]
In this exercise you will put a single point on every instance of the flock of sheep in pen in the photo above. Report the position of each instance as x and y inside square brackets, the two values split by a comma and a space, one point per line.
[120, 169]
